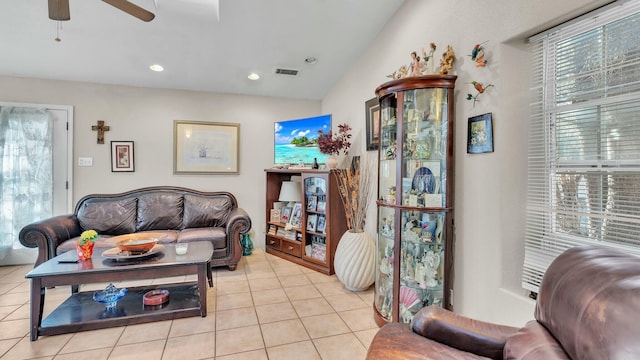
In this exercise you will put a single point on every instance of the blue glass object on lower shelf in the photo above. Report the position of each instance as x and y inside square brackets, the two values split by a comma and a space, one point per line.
[110, 296]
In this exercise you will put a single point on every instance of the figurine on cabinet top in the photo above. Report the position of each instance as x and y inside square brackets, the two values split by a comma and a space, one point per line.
[448, 57]
[417, 65]
[400, 73]
[422, 65]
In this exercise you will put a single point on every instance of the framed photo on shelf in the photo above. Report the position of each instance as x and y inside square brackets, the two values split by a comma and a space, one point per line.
[205, 147]
[322, 206]
[311, 204]
[372, 110]
[296, 215]
[311, 222]
[480, 134]
[285, 214]
[275, 215]
[122, 156]
[321, 226]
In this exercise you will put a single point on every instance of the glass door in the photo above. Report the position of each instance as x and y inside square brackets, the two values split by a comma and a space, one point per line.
[315, 226]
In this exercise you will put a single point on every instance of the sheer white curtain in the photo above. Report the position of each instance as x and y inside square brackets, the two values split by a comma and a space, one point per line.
[26, 186]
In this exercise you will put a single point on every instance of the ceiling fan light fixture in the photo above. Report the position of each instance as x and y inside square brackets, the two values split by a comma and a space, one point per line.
[156, 67]
[253, 76]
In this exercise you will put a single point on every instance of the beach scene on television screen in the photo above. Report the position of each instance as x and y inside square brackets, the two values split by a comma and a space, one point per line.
[296, 141]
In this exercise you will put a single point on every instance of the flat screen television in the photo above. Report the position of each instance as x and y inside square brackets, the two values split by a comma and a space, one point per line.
[296, 141]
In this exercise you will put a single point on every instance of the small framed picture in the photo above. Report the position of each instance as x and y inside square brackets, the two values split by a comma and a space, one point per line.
[311, 222]
[311, 204]
[480, 134]
[275, 215]
[122, 156]
[372, 112]
[322, 206]
[320, 227]
[285, 214]
[296, 215]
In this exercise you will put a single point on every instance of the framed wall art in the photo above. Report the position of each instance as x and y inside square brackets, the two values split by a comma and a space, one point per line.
[206, 147]
[372, 108]
[480, 134]
[122, 156]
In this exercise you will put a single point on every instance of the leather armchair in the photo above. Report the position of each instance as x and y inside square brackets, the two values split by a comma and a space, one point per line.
[588, 307]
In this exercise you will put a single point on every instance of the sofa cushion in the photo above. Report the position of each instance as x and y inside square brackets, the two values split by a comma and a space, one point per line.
[108, 216]
[202, 211]
[533, 342]
[216, 235]
[160, 211]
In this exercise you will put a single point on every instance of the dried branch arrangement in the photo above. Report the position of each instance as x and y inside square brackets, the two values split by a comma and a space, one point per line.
[355, 186]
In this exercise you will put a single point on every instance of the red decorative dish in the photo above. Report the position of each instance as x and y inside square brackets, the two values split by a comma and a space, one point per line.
[156, 297]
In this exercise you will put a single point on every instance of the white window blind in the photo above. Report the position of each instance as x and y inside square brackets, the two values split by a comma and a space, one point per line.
[584, 142]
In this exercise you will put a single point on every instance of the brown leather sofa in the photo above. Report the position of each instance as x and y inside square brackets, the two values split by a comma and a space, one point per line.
[588, 308]
[175, 214]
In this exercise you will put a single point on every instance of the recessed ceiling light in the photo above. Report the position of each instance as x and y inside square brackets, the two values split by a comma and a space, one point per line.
[311, 60]
[156, 67]
[253, 76]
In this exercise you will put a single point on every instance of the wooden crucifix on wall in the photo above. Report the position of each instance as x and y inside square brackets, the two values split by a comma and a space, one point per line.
[100, 128]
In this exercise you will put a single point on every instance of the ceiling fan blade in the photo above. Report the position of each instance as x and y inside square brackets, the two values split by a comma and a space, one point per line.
[131, 9]
[59, 10]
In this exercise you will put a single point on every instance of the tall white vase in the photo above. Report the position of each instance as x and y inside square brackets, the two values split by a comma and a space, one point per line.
[354, 260]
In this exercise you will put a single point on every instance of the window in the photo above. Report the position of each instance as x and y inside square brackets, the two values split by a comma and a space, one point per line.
[584, 144]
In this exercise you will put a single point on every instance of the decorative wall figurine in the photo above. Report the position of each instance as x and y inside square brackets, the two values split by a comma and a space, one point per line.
[477, 55]
[480, 90]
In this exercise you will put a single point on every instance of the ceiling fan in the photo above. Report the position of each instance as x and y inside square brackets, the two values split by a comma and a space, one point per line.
[59, 9]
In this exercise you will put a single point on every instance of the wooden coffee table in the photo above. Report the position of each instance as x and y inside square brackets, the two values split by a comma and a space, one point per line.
[80, 312]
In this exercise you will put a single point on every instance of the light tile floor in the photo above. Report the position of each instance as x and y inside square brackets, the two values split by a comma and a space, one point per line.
[269, 308]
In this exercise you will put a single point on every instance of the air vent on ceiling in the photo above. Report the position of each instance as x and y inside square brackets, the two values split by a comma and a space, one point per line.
[281, 71]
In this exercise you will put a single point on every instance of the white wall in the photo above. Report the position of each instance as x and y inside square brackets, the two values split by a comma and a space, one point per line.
[490, 189]
[146, 117]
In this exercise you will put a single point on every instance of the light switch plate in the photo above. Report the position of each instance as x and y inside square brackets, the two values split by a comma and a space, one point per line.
[85, 161]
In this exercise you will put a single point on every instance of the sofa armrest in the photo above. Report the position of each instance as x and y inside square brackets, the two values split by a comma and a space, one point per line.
[47, 234]
[238, 222]
[397, 341]
[477, 337]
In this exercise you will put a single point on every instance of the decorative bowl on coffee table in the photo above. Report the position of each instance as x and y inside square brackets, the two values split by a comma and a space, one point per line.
[110, 296]
[137, 245]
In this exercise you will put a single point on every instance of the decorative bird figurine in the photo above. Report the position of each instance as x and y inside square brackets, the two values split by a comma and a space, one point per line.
[479, 88]
[477, 55]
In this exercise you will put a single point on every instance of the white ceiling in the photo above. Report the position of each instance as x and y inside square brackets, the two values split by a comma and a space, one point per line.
[102, 44]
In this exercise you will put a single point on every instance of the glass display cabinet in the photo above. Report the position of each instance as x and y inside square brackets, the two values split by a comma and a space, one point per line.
[415, 197]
